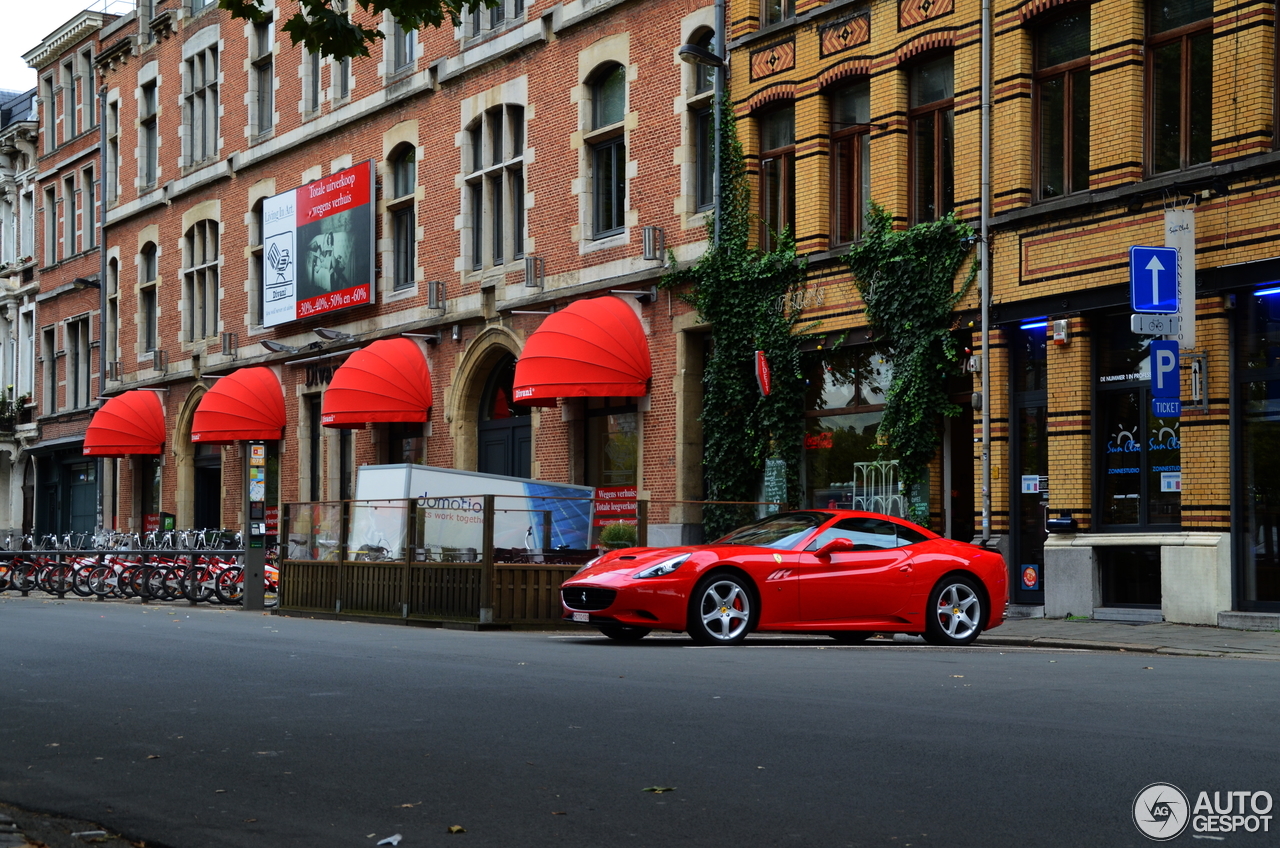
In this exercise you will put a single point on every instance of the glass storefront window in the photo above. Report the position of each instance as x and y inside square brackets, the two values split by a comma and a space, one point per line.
[1258, 364]
[613, 447]
[1139, 455]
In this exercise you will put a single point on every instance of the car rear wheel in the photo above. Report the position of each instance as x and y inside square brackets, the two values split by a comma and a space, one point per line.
[851, 637]
[623, 632]
[954, 612]
[721, 611]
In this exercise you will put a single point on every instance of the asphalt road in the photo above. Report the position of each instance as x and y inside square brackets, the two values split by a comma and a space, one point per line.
[191, 728]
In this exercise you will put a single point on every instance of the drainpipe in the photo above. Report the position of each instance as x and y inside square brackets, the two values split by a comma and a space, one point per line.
[718, 107]
[984, 270]
[102, 282]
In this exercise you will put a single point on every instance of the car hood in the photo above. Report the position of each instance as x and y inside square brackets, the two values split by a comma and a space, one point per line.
[628, 561]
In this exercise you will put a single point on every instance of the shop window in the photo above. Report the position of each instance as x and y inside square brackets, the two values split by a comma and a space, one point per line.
[315, 450]
[1062, 105]
[932, 121]
[777, 174]
[1029, 486]
[1258, 389]
[1139, 456]
[850, 159]
[608, 151]
[1179, 84]
[404, 443]
[613, 442]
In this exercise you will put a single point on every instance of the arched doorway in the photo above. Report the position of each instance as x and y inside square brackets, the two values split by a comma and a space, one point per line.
[505, 437]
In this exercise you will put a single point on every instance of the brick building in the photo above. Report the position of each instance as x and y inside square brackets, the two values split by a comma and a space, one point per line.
[519, 164]
[1116, 123]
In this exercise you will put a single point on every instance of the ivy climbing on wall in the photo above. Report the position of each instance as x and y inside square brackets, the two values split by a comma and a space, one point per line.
[744, 294]
[907, 279]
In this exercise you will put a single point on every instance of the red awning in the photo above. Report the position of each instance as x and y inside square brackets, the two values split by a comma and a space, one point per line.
[387, 381]
[593, 348]
[248, 404]
[132, 423]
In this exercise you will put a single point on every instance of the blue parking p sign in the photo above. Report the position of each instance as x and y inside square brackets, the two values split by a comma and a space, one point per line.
[1166, 382]
[1153, 279]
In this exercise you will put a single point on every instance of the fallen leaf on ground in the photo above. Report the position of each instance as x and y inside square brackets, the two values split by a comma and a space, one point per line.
[457, 828]
[658, 790]
[410, 805]
[153, 756]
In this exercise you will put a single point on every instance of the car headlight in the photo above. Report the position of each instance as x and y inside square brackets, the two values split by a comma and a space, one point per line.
[663, 568]
[588, 565]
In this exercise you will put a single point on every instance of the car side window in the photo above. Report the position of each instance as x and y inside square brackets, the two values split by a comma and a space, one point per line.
[867, 534]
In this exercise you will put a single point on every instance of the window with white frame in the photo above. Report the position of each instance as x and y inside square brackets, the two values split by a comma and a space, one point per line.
[148, 128]
[50, 116]
[313, 91]
[340, 70]
[200, 106]
[148, 299]
[50, 225]
[257, 266]
[607, 144]
[27, 224]
[111, 346]
[78, 372]
[70, 90]
[404, 183]
[49, 370]
[200, 280]
[90, 117]
[702, 125]
[27, 355]
[112, 157]
[264, 77]
[69, 216]
[495, 186]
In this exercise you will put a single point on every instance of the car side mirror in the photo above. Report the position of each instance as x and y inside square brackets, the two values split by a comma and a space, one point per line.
[835, 546]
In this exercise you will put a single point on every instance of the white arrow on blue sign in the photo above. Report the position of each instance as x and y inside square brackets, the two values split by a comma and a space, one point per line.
[1153, 279]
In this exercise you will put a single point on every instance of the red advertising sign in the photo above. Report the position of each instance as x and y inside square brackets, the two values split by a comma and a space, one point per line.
[614, 504]
[151, 522]
[318, 243]
[273, 520]
[763, 376]
[817, 441]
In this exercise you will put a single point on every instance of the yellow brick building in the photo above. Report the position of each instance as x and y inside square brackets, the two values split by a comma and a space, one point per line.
[1115, 123]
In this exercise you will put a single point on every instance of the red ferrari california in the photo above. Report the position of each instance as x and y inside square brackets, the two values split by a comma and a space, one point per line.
[843, 574]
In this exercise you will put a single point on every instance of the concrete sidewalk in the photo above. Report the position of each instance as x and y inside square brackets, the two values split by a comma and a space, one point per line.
[1158, 638]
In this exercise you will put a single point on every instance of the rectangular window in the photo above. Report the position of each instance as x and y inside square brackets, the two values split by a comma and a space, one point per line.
[111, 344]
[90, 209]
[613, 443]
[776, 11]
[1180, 85]
[777, 174]
[1062, 106]
[112, 159]
[201, 280]
[69, 92]
[201, 106]
[147, 315]
[313, 82]
[49, 119]
[263, 77]
[704, 156]
[850, 160]
[257, 265]
[402, 226]
[315, 449]
[90, 118]
[50, 226]
[402, 52]
[49, 371]
[517, 211]
[27, 373]
[932, 119]
[150, 166]
[609, 175]
[77, 334]
[69, 217]
[496, 185]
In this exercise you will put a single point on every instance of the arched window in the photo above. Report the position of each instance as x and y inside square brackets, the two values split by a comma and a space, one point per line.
[200, 280]
[702, 124]
[777, 173]
[608, 144]
[404, 182]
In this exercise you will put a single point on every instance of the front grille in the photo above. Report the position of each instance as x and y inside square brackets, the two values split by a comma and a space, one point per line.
[586, 598]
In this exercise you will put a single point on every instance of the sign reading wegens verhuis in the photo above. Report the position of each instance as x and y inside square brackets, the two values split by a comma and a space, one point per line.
[317, 243]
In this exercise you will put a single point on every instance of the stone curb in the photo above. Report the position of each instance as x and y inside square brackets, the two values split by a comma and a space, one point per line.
[1129, 647]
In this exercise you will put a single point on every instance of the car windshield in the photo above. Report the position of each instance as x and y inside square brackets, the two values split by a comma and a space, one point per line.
[782, 531]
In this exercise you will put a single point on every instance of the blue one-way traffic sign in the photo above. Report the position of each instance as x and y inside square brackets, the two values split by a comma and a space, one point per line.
[1153, 279]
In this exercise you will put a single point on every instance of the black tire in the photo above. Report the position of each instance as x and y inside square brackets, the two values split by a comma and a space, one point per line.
[722, 610]
[624, 633]
[80, 579]
[954, 614]
[229, 587]
[851, 637]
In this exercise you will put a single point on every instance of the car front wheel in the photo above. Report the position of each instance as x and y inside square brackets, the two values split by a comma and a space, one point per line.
[954, 612]
[721, 610]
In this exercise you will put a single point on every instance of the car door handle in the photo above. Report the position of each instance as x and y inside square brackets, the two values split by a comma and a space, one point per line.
[904, 568]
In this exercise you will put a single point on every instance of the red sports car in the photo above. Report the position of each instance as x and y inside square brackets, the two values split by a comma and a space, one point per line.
[843, 574]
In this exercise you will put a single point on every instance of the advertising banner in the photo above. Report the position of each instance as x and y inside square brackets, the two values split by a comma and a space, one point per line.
[317, 243]
[614, 504]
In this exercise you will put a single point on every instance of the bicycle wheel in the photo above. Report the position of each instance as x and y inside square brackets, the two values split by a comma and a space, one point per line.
[80, 579]
[229, 586]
